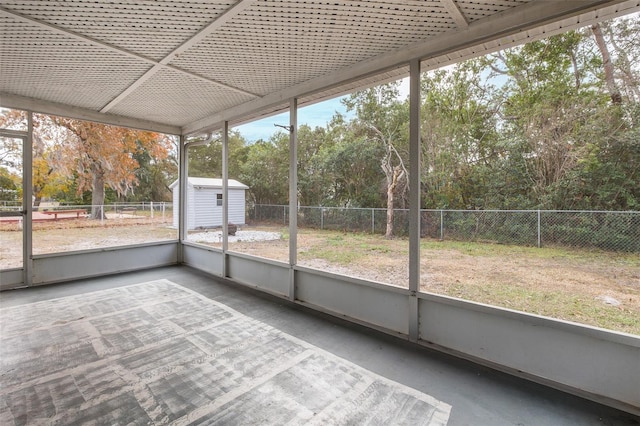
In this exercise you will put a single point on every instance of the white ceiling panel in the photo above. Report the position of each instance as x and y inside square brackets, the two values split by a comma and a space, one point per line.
[478, 9]
[275, 44]
[149, 28]
[175, 98]
[192, 64]
[36, 62]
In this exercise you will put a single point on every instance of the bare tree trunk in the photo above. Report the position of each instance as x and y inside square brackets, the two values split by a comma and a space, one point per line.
[389, 231]
[624, 65]
[36, 202]
[38, 152]
[97, 196]
[391, 188]
[392, 174]
[614, 92]
[576, 70]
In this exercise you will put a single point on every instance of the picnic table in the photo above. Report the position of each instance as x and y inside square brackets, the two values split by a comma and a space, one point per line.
[129, 210]
[55, 213]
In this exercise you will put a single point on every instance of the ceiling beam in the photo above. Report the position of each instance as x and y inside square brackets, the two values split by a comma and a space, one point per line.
[23, 103]
[216, 24]
[225, 17]
[132, 87]
[509, 22]
[455, 12]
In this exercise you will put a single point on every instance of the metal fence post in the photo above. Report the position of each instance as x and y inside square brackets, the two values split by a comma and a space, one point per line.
[373, 221]
[539, 239]
[322, 218]
[442, 224]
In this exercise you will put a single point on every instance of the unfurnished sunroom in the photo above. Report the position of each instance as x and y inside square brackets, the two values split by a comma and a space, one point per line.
[192, 69]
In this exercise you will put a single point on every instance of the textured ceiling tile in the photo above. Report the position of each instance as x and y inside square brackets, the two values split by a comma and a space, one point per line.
[478, 9]
[175, 98]
[275, 43]
[150, 28]
[36, 62]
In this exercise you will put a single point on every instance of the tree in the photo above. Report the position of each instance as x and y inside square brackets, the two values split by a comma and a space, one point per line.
[266, 170]
[45, 179]
[549, 97]
[607, 65]
[70, 153]
[206, 160]
[459, 137]
[11, 149]
[381, 118]
[103, 156]
[153, 177]
[621, 37]
[569, 107]
[9, 186]
[334, 166]
[312, 179]
[349, 167]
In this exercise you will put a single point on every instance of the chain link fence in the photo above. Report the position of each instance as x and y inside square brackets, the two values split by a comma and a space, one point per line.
[143, 209]
[159, 211]
[607, 230]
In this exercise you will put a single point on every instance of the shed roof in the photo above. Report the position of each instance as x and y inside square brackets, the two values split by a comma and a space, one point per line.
[187, 66]
[201, 182]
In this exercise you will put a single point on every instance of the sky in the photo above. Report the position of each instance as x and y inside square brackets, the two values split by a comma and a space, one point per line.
[313, 115]
[316, 115]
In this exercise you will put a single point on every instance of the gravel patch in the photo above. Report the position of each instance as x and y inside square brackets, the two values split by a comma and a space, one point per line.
[246, 236]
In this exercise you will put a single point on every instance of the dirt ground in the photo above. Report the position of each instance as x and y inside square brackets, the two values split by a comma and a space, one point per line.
[595, 288]
[82, 234]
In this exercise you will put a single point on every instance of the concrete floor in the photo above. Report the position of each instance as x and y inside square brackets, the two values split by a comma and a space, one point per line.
[477, 395]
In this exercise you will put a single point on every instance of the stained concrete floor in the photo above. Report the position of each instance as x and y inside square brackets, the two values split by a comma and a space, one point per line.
[477, 395]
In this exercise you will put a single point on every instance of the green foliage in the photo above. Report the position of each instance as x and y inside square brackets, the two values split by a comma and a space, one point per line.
[206, 160]
[9, 186]
[458, 137]
[153, 177]
[266, 170]
[350, 168]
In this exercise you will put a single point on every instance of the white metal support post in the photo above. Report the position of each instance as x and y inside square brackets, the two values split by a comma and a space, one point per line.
[25, 212]
[414, 197]
[181, 209]
[225, 197]
[27, 205]
[293, 195]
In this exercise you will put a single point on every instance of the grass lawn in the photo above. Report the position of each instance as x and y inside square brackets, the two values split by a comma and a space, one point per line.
[589, 287]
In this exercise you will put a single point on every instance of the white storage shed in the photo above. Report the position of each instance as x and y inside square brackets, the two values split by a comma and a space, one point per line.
[204, 202]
